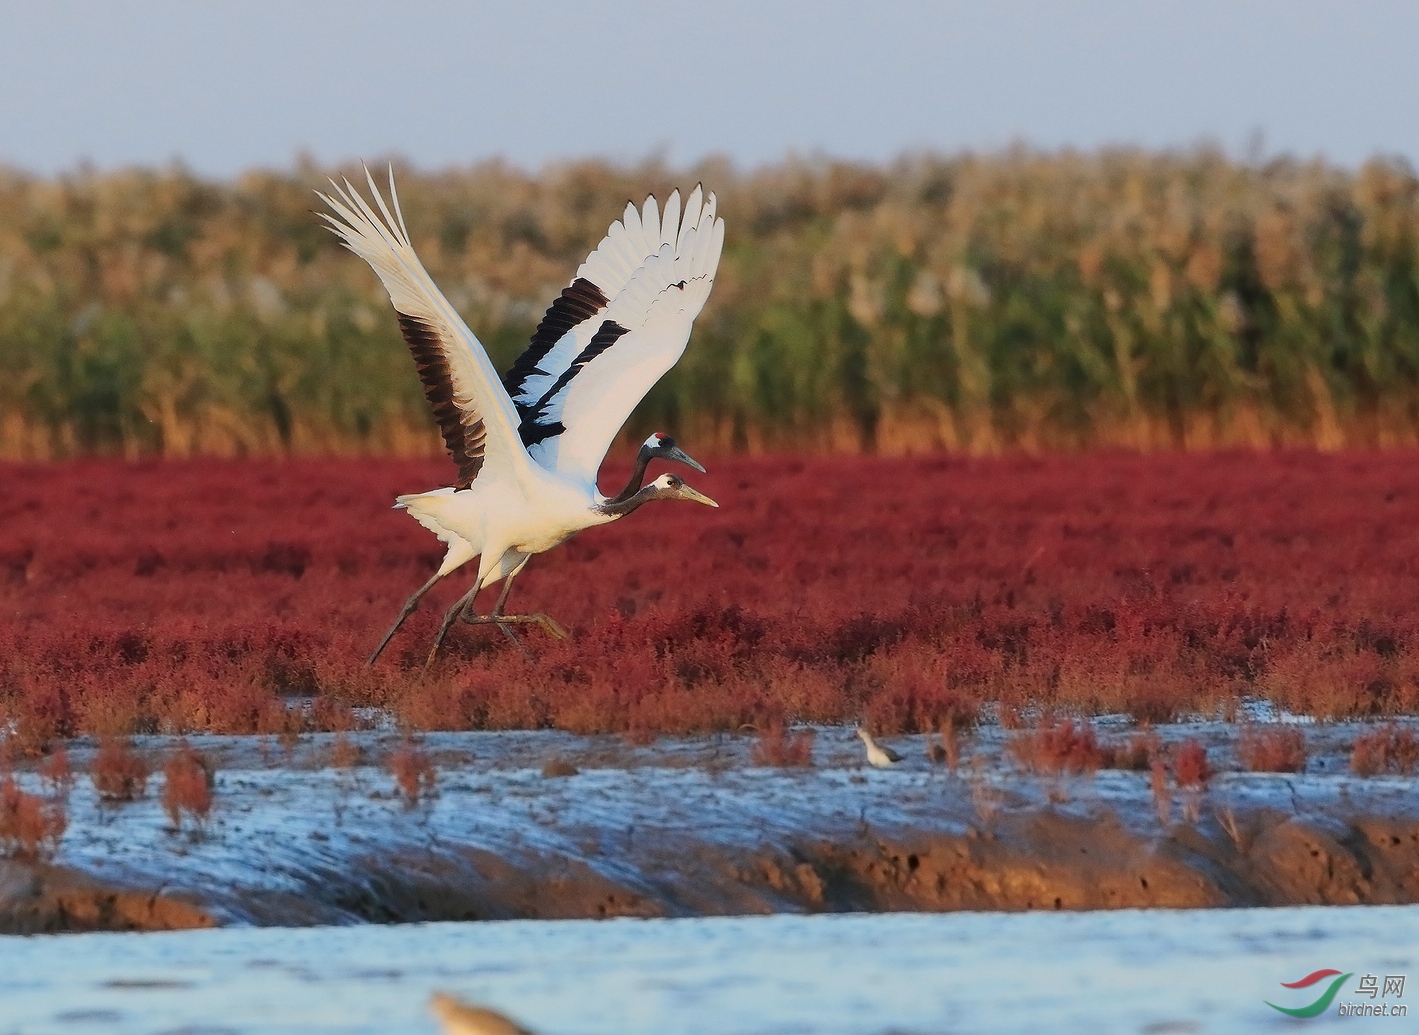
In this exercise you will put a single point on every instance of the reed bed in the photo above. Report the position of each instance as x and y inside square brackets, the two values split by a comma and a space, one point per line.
[975, 304]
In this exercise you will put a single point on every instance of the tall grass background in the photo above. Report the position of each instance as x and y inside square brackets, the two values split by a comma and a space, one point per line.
[976, 304]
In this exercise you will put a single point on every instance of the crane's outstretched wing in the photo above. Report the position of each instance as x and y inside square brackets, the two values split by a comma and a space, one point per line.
[473, 411]
[572, 320]
[620, 325]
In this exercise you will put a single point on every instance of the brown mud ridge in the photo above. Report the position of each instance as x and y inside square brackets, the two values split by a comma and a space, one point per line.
[543, 825]
[39, 899]
[1043, 860]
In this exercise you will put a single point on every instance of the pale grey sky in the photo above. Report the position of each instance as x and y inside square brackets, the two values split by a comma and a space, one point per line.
[226, 86]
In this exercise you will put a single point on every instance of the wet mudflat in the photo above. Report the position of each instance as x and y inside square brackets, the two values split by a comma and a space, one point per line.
[551, 826]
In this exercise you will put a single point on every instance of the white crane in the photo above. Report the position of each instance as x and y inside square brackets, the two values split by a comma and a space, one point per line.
[878, 755]
[528, 448]
[657, 447]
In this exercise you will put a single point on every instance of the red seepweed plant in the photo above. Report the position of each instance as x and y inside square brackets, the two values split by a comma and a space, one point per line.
[1063, 747]
[414, 774]
[1272, 749]
[1136, 753]
[55, 772]
[779, 746]
[188, 782]
[30, 827]
[1191, 768]
[1389, 749]
[118, 772]
[1191, 772]
[820, 592]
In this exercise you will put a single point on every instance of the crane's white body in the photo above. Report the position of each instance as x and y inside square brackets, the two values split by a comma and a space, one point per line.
[529, 451]
[485, 519]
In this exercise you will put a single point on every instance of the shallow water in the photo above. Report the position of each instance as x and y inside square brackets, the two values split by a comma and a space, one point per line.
[1125, 971]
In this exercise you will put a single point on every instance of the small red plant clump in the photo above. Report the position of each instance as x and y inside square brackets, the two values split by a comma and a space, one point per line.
[30, 827]
[118, 772]
[1276, 749]
[188, 782]
[1065, 747]
[1390, 749]
[414, 773]
[56, 774]
[1136, 754]
[778, 746]
[1191, 769]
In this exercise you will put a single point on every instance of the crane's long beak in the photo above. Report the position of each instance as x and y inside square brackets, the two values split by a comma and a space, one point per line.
[678, 454]
[690, 494]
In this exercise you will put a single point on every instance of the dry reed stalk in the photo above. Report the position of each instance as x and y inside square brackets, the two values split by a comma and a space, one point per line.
[1162, 796]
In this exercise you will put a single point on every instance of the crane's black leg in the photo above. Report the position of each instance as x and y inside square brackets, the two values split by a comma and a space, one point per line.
[502, 600]
[507, 588]
[504, 621]
[473, 619]
[449, 619]
[409, 607]
[545, 621]
[497, 611]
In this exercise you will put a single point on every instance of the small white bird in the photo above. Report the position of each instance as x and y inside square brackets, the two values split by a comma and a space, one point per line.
[878, 755]
[528, 446]
[460, 1018]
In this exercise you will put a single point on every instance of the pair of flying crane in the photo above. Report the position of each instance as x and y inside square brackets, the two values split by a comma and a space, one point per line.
[528, 446]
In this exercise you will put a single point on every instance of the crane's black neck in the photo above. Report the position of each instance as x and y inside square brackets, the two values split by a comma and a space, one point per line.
[637, 478]
[619, 508]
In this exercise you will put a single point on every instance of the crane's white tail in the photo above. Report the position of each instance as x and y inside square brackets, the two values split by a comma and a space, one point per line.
[429, 508]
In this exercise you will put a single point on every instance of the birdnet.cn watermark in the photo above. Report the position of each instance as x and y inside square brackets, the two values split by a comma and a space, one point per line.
[1374, 995]
[1379, 991]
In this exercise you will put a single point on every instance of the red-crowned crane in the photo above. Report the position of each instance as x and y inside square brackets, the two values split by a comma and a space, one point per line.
[528, 447]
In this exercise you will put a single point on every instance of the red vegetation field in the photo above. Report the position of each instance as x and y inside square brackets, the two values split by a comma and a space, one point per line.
[244, 596]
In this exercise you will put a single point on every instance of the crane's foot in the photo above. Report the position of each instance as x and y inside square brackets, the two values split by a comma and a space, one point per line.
[551, 625]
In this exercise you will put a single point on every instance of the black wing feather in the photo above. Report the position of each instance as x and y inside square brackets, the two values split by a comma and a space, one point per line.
[580, 300]
[465, 441]
[535, 427]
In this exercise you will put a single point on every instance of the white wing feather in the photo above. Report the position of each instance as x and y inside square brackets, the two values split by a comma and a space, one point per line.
[384, 244]
[627, 244]
[657, 305]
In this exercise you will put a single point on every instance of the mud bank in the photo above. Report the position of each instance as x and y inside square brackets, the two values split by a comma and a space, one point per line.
[693, 829]
[37, 899]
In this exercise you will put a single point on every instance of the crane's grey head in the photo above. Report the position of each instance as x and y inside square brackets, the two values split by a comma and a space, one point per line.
[663, 447]
[669, 487]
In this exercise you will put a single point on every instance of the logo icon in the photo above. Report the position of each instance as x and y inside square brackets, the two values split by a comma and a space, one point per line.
[1320, 1005]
